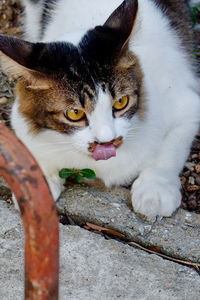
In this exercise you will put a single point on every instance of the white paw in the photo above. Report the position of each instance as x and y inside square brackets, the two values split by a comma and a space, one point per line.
[156, 194]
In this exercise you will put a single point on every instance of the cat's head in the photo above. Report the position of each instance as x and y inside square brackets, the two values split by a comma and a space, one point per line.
[89, 93]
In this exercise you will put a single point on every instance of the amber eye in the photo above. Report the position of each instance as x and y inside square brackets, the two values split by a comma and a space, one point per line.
[121, 103]
[75, 114]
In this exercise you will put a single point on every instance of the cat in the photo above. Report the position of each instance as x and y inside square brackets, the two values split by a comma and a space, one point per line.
[110, 86]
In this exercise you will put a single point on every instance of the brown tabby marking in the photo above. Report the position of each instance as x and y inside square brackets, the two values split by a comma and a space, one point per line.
[44, 108]
[129, 76]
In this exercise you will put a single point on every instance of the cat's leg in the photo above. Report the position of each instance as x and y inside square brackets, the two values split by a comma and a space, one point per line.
[50, 170]
[56, 186]
[15, 202]
[156, 192]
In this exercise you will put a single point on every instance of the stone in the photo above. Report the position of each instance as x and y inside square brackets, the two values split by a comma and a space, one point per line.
[92, 267]
[3, 100]
[177, 236]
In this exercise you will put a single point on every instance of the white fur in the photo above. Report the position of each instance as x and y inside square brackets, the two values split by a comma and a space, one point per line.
[155, 148]
[73, 16]
[32, 17]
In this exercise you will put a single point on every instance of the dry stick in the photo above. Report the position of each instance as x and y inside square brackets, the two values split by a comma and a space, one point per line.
[38, 211]
[134, 244]
[196, 265]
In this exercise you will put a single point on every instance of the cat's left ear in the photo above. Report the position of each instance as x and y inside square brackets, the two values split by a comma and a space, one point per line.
[22, 59]
[122, 21]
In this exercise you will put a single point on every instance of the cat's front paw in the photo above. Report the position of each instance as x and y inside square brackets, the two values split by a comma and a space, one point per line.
[156, 194]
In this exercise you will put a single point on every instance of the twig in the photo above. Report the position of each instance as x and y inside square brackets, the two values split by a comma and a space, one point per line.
[184, 262]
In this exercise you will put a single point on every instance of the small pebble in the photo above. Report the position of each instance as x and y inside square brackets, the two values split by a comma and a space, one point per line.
[183, 180]
[197, 168]
[3, 100]
[198, 180]
[187, 173]
[189, 166]
[192, 204]
[191, 180]
[193, 188]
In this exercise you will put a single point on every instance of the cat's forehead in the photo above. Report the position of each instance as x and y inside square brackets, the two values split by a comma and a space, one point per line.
[87, 74]
[80, 72]
[64, 61]
[90, 62]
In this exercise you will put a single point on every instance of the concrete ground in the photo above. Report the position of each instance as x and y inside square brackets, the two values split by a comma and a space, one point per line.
[93, 267]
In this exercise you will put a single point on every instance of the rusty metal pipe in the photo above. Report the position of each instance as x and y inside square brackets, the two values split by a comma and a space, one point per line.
[22, 173]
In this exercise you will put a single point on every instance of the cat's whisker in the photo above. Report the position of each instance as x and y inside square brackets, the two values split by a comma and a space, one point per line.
[63, 152]
[64, 147]
[66, 142]
[132, 132]
[131, 135]
[56, 143]
[60, 147]
[130, 138]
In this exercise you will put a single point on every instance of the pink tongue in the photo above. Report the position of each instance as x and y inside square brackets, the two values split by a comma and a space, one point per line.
[103, 152]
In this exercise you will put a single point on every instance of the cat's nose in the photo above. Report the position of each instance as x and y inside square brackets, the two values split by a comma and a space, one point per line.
[105, 134]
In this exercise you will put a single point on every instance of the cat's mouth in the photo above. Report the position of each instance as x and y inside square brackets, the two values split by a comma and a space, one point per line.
[104, 151]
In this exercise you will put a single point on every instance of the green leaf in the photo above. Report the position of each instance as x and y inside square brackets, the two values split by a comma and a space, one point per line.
[79, 178]
[88, 173]
[65, 173]
[194, 12]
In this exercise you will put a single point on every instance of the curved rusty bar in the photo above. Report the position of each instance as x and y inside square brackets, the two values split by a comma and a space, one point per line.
[22, 173]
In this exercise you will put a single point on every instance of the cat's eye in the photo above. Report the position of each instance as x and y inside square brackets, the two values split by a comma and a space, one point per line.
[121, 103]
[75, 115]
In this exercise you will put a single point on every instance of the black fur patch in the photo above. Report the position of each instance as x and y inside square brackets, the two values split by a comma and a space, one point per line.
[35, 1]
[48, 8]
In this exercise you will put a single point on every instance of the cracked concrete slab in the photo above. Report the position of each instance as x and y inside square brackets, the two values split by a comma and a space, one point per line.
[178, 236]
[95, 268]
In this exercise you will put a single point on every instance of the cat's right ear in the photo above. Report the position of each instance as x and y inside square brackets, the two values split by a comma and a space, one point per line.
[110, 40]
[122, 21]
[20, 58]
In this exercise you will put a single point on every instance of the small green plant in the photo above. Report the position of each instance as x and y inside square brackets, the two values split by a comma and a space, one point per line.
[77, 175]
[195, 10]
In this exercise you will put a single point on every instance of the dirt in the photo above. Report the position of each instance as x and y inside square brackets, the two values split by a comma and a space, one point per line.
[10, 23]
[10, 17]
